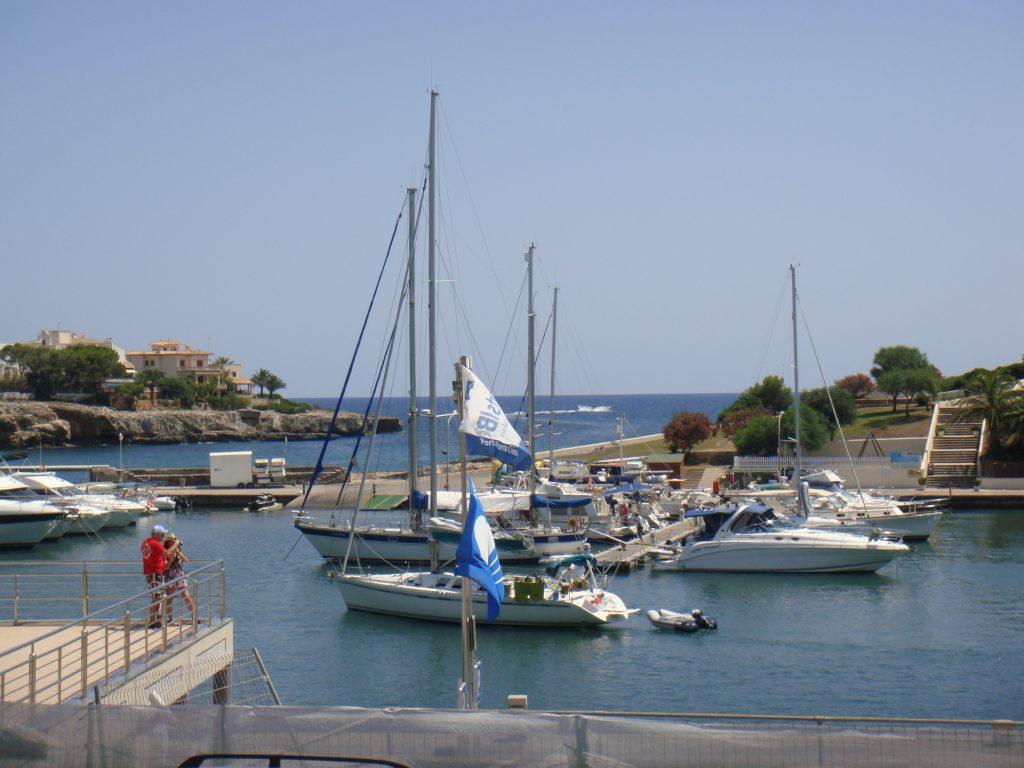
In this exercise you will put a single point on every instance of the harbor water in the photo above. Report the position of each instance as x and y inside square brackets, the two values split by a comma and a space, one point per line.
[579, 420]
[938, 635]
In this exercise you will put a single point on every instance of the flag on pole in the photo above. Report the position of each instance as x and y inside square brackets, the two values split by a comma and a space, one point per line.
[487, 428]
[476, 557]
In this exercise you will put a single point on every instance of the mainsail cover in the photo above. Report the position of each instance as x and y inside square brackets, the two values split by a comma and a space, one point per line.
[487, 428]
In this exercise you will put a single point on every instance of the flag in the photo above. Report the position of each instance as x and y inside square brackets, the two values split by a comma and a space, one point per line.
[487, 428]
[476, 557]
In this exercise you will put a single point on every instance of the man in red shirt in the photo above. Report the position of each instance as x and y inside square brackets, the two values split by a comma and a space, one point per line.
[153, 564]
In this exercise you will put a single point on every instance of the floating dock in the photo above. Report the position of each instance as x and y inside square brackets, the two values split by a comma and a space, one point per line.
[627, 557]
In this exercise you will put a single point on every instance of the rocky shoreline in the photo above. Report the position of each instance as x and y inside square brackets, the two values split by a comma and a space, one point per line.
[26, 424]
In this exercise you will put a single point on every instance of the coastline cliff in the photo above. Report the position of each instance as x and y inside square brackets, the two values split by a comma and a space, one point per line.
[25, 424]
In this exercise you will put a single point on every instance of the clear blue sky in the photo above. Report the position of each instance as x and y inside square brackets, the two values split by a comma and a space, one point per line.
[228, 174]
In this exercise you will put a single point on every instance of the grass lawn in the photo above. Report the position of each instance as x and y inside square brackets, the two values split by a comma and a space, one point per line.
[884, 423]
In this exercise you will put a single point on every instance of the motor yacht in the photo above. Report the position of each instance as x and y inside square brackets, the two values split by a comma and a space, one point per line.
[25, 518]
[752, 538]
[120, 512]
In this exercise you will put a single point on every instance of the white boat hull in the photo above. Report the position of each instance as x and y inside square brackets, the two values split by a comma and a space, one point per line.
[363, 594]
[759, 557]
[27, 529]
[917, 526]
[82, 524]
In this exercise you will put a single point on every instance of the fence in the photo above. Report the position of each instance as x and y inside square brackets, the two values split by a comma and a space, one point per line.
[231, 735]
[775, 463]
[111, 636]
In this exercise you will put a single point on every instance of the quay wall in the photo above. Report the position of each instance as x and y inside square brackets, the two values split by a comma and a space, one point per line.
[26, 424]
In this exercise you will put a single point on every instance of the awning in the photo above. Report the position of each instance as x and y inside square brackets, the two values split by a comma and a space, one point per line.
[384, 502]
[628, 488]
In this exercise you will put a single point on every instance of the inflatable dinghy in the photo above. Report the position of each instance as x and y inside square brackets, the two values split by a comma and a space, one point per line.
[681, 622]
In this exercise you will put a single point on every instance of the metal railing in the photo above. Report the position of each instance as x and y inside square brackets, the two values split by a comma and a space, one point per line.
[103, 644]
[772, 463]
[932, 427]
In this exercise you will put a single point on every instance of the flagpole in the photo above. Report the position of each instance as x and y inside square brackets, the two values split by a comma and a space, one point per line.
[468, 683]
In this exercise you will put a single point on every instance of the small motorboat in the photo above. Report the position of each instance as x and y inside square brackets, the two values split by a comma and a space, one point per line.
[265, 502]
[681, 622]
[164, 502]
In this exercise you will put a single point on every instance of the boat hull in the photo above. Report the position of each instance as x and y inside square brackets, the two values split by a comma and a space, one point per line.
[758, 558]
[332, 544]
[427, 604]
[917, 526]
[27, 529]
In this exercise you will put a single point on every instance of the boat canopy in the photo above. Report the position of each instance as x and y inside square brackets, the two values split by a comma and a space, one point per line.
[628, 488]
[709, 512]
[445, 500]
[562, 503]
[565, 562]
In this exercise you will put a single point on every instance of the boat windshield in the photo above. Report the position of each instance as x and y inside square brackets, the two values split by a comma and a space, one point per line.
[761, 522]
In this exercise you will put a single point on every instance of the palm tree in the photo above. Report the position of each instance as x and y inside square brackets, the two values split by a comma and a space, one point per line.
[223, 362]
[991, 396]
[262, 379]
[274, 383]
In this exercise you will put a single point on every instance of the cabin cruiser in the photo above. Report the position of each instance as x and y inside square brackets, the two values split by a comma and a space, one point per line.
[843, 509]
[752, 538]
[568, 597]
[25, 518]
[120, 513]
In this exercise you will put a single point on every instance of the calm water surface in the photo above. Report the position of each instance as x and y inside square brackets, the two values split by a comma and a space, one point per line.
[938, 637]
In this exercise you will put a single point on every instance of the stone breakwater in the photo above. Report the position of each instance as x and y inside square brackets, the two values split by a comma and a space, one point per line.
[27, 424]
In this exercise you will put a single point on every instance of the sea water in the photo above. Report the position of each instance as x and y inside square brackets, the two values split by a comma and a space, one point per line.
[578, 420]
[938, 635]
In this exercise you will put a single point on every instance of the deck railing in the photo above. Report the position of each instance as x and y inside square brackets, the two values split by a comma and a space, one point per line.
[104, 643]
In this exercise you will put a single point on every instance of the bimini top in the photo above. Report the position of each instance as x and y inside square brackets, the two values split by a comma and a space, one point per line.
[628, 488]
[565, 562]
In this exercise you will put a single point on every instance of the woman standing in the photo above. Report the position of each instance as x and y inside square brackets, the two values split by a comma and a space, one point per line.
[174, 576]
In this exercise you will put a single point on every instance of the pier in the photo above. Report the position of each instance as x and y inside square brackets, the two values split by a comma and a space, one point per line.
[68, 634]
[633, 554]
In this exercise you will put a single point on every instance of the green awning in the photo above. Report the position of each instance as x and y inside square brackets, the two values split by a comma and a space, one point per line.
[384, 502]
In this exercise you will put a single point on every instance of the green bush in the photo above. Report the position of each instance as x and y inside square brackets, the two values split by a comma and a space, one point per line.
[282, 405]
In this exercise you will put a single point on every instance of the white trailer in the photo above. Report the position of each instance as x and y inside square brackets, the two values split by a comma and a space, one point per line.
[231, 469]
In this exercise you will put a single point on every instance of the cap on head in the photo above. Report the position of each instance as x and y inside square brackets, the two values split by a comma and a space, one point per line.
[696, 612]
[159, 530]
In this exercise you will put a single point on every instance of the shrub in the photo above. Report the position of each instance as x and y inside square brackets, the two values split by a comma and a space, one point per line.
[857, 384]
[685, 430]
[758, 438]
[282, 405]
[733, 421]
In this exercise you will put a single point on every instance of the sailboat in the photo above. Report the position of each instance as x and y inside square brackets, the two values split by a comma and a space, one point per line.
[753, 538]
[569, 597]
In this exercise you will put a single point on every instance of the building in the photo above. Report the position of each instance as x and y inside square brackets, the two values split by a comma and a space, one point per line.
[62, 339]
[174, 359]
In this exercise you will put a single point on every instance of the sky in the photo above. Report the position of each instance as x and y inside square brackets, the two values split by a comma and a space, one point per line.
[228, 175]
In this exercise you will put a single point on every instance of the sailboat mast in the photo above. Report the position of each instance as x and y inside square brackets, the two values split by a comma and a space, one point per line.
[531, 363]
[413, 459]
[797, 474]
[432, 305]
[551, 401]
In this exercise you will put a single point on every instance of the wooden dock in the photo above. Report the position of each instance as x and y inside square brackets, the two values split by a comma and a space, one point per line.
[624, 558]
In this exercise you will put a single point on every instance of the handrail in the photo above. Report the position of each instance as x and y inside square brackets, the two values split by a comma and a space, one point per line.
[95, 614]
[981, 447]
[931, 439]
[1006, 724]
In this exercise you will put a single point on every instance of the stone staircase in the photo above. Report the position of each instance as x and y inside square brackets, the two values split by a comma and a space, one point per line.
[953, 458]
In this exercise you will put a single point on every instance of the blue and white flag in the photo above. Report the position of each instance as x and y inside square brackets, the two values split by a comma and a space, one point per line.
[476, 557]
[487, 428]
